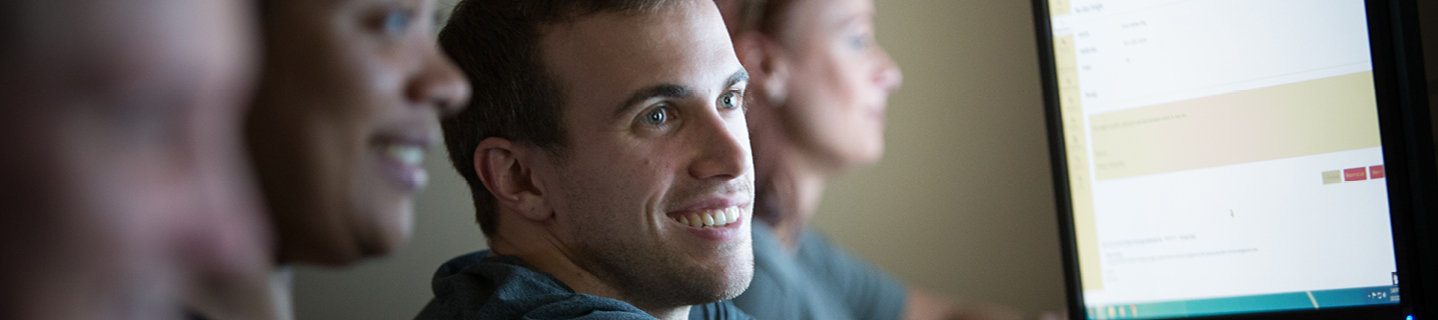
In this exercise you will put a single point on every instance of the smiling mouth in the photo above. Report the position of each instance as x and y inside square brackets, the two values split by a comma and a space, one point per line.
[404, 153]
[402, 160]
[713, 218]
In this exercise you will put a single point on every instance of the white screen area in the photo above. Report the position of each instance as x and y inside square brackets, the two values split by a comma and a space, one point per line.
[1216, 146]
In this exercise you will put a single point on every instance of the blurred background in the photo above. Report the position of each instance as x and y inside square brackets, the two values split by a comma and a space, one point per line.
[961, 204]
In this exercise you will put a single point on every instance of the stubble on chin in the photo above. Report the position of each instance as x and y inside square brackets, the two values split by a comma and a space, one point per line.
[657, 276]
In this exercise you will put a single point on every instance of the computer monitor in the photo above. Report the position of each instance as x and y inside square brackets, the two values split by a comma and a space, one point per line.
[1261, 159]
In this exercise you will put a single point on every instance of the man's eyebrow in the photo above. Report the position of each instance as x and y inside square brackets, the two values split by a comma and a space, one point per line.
[667, 90]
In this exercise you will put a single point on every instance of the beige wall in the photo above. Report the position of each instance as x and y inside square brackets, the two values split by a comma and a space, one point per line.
[962, 203]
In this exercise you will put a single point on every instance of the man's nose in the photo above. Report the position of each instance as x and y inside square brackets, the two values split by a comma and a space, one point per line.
[723, 146]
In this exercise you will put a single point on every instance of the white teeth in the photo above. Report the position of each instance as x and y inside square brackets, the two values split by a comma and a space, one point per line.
[721, 218]
[712, 218]
[406, 154]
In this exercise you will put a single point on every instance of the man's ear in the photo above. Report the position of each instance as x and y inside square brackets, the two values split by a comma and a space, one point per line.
[768, 64]
[504, 166]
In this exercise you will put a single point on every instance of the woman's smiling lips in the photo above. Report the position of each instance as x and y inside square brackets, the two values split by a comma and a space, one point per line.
[402, 158]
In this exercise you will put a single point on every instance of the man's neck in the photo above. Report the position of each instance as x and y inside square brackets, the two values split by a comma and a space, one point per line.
[546, 254]
[680, 313]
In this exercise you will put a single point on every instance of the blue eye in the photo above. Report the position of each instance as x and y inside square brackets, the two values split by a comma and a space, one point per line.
[657, 116]
[729, 100]
[397, 21]
[859, 42]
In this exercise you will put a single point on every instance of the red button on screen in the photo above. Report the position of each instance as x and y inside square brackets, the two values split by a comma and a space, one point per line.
[1355, 174]
[1375, 172]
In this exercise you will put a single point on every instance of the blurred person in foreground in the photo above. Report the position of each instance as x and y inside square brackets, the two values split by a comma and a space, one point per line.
[350, 98]
[818, 97]
[608, 159]
[124, 185]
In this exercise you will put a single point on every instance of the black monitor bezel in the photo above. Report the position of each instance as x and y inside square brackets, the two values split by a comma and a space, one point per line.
[1407, 152]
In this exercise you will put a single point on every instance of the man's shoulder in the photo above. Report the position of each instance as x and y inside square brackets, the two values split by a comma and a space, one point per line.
[478, 285]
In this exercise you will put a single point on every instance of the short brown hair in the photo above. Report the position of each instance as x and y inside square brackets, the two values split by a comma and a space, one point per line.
[497, 45]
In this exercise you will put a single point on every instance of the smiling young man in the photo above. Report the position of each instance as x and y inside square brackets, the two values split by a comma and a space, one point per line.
[608, 156]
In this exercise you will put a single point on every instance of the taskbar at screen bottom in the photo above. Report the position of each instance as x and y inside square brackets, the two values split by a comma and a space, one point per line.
[1301, 300]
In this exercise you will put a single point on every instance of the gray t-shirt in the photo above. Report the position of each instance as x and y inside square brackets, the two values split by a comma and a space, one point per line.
[480, 286]
[820, 281]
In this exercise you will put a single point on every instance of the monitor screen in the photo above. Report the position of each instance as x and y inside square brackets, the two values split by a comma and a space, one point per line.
[1222, 156]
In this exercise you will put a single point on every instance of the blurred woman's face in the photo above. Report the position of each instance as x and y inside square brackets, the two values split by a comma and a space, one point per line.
[839, 82]
[124, 183]
[349, 102]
